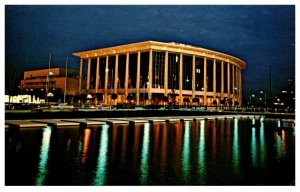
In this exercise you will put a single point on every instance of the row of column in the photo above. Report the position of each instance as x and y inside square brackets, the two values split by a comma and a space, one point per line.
[236, 77]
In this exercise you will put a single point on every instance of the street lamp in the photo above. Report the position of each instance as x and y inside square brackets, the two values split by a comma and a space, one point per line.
[265, 97]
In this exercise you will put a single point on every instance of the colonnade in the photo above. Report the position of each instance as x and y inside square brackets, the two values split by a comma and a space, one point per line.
[235, 73]
[233, 70]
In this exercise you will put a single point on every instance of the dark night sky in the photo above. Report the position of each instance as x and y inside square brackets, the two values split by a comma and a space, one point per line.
[262, 36]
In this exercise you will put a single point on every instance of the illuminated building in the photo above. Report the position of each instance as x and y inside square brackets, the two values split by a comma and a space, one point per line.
[150, 70]
[39, 82]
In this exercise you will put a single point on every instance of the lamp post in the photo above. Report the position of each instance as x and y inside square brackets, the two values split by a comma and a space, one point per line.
[265, 96]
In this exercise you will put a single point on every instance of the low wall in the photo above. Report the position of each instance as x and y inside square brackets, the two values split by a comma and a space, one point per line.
[133, 113]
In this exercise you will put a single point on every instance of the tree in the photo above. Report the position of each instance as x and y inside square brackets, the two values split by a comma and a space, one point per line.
[196, 100]
[13, 74]
[236, 103]
[215, 102]
[222, 102]
[186, 100]
[129, 98]
[165, 99]
[114, 96]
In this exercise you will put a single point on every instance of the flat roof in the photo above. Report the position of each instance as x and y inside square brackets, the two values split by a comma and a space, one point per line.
[160, 46]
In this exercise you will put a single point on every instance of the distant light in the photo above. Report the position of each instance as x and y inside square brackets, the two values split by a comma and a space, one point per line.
[89, 96]
[261, 92]
[106, 69]
[253, 95]
[202, 88]
[284, 91]
[50, 94]
[50, 73]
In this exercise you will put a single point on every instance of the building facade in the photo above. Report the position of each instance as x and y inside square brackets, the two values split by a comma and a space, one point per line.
[54, 80]
[151, 71]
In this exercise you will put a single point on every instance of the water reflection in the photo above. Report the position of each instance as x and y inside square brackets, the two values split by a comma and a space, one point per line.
[102, 157]
[201, 157]
[253, 148]
[262, 145]
[144, 169]
[280, 145]
[235, 149]
[204, 152]
[44, 152]
[86, 143]
[186, 152]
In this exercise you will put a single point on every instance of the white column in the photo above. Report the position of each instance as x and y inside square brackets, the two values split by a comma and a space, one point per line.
[180, 79]
[97, 75]
[116, 73]
[215, 78]
[166, 73]
[222, 80]
[228, 79]
[126, 74]
[193, 76]
[80, 75]
[240, 87]
[205, 80]
[233, 82]
[88, 81]
[106, 80]
[150, 76]
[138, 77]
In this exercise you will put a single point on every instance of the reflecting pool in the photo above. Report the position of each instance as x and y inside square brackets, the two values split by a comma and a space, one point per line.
[205, 152]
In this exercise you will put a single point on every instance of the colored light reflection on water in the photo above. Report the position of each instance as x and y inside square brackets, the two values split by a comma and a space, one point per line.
[262, 145]
[144, 168]
[236, 148]
[186, 153]
[102, 157]
[253, 148]
[42, 167]
[201, 157]
[204, 152]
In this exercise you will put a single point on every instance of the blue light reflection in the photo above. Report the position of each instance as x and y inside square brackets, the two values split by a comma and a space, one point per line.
[235, 149]
[42, 168]
[100, 177]
[186, 152]
[145, 155]
[201, 162]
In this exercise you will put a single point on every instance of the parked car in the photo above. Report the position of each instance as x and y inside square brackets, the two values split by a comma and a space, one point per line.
[103, 106]
[62, 106]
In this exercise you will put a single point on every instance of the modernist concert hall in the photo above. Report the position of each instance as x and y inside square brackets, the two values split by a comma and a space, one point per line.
[151, 71]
